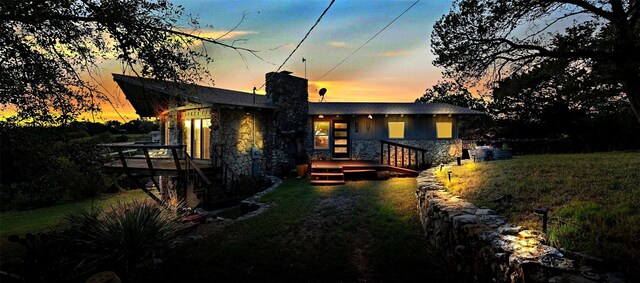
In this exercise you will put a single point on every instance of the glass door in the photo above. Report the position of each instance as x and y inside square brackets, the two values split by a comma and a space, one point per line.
[341, 143]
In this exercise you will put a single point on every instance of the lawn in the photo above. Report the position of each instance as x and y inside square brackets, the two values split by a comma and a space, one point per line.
[43, 219]
[594, 199]
[361, 231]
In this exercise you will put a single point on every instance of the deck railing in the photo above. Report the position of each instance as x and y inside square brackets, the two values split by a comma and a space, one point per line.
[414, 158]
[227, 174]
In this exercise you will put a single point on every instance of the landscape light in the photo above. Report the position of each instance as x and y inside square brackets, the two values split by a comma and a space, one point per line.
[544, 212]
[449, 173]
[441, 165]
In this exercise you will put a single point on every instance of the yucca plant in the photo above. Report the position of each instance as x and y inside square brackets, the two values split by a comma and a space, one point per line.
[123, 237]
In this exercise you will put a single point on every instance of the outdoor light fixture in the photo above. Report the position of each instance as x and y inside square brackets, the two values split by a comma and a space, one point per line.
[544, 212]
[441, 165]
[449, 115]
[320, 116]
[401, 115]
[435, 115]
[449, 173]
[459, 160]
[370, 117]
[337, 116]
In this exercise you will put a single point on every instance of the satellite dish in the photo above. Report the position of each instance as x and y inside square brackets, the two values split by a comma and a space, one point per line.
[322, 92]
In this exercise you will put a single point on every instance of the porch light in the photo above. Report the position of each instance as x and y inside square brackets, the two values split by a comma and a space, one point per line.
[435, 115]
[337, 116]
[401, 115]
[386, 115]
[320, 116]
[370, 117]
[449, 115]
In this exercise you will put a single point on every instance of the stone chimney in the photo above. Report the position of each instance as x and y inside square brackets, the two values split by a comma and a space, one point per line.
[289, 94]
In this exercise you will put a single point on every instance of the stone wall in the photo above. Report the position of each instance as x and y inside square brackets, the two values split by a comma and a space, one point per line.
[481, 246]
[234, 132]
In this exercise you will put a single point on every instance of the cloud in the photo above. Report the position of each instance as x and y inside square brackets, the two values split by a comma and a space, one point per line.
[392, 54]
[218, 33]
[337, 44]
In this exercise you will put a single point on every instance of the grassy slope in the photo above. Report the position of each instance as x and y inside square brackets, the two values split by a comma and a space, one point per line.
[365, 230]
[594, 198]
[43, 219]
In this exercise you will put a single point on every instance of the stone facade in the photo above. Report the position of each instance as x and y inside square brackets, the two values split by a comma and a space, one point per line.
[438, 151]
[479, 244]
[290, 96]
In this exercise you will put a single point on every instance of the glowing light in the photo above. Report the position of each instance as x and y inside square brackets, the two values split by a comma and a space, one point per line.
[320, 116]
[370, 117]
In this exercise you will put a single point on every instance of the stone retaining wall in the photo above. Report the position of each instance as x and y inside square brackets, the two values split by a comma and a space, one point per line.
[481, 246]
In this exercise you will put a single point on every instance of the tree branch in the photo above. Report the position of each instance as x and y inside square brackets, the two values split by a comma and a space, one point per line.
[590, 7]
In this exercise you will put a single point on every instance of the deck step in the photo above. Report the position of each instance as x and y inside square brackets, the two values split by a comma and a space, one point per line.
[369, 170]
[322, 174]
[327, 182]
[404, 171]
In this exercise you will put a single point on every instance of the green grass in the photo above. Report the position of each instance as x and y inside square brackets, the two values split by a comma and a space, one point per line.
[364, 230]
[44, 219]
[594, 199]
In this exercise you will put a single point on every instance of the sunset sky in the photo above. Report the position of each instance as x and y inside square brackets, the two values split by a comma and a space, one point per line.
[395, 66]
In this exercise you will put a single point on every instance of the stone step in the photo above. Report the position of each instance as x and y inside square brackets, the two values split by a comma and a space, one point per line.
[327, 182]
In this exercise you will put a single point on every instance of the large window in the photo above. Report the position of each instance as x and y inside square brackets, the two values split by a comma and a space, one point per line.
[445, 130]
[196, 134]
[321, 135]
[396, 130]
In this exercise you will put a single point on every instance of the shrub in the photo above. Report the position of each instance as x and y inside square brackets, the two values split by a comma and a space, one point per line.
[124, 237]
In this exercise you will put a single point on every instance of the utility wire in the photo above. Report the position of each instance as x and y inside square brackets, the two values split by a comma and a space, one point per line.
[370, 39]
[305, 37]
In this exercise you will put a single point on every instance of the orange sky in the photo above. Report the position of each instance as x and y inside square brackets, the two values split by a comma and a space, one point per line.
[396, 66]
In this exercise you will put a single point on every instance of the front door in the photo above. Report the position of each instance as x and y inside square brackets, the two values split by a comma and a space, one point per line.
[341, 143]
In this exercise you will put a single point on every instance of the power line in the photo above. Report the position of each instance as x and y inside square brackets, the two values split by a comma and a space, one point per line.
[305, 37]
[370, 39]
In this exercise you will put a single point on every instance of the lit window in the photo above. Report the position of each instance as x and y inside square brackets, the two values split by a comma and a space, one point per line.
[196, 135]
[445, 130]
[321, 135]
[396, 130]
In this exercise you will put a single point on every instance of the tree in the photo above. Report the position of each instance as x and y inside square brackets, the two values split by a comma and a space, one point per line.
[486, 40]
[49, 51]
[455, 94]
[559, 100]
[452, 93]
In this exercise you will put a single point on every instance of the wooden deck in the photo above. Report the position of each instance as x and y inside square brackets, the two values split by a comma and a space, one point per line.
[333, 172]
[161, 166]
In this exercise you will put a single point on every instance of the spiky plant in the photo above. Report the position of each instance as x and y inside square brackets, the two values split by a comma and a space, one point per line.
[122, 237]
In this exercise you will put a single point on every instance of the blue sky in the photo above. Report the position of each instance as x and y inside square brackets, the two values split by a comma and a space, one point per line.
[395, 66]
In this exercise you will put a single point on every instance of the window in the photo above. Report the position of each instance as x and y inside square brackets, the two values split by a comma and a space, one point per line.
[444, 129]
[196, 134]
[396, 130]
[321, 135]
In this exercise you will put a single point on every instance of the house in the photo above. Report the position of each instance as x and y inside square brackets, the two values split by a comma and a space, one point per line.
[270, 134]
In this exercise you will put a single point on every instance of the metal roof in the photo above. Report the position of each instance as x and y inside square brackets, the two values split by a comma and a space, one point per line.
[150, 96]
[365, 108]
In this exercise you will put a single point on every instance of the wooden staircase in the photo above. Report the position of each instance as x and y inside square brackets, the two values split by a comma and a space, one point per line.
[327, 174]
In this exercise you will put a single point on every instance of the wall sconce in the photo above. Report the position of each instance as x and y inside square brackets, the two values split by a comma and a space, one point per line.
[337, 116]
[320, 116]
[386, 115]
[434, 115]
[544, 212]
[449, 115]
[370, 117]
